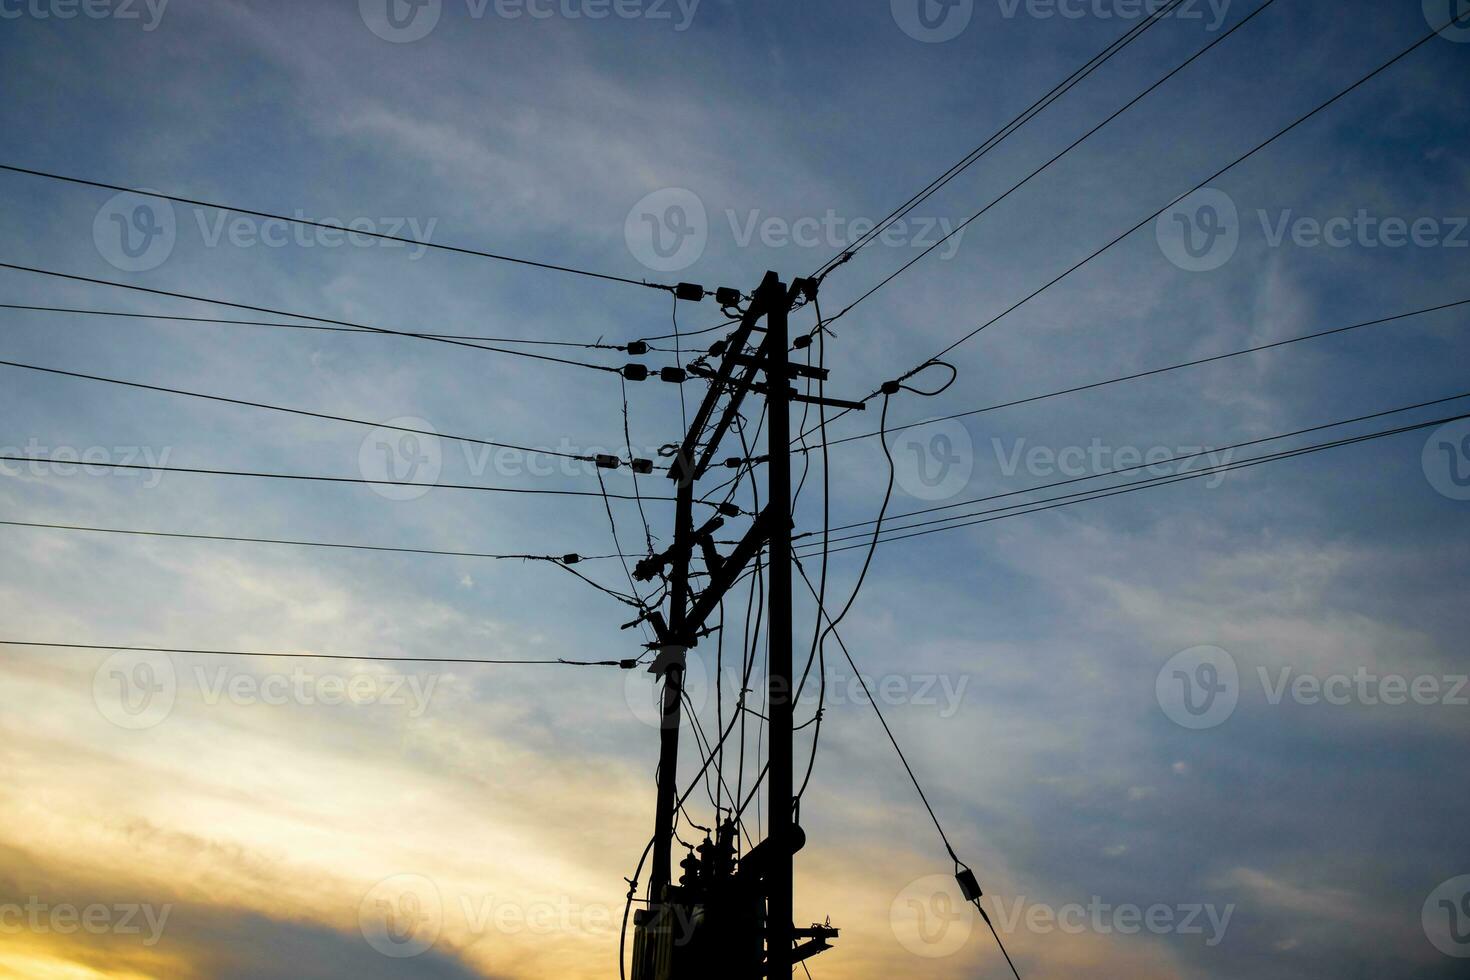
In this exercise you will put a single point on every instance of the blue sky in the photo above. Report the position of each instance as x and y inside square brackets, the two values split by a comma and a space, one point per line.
[1044, 738]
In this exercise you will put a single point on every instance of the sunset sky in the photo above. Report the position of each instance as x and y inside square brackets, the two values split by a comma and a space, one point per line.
[271, 818]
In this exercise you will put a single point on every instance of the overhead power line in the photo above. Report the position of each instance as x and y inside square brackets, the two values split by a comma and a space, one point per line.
[159, 468]
[307, 326]
[295, 411]
[306, 316]
[1068, 500]
[623, 664]
[550, 266]
[1180, 458]
[1072, 146]
[558, 559]
[1215, 176]
[1060, 89]
[1143, 374]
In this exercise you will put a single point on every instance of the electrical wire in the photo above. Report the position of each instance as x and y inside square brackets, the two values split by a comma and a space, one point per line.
[77, 375]
[1078, 75]
[1178, 458]
[1152, 372]
[309, 656]
[305, 316]
[160, 468]
[307, 326]
[302, 544]
[1076, 143]
[101, 185]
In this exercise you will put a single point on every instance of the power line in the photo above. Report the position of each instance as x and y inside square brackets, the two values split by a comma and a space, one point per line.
[307, 326]
[1066, 501]
[306, 316]
[1078, 142]
[995, 139]
[159, 468]
[1215, 176]
[312, 656]
[293, 411]
[1118, 471]
[559, 559]
[335, 228]
[1146, 374]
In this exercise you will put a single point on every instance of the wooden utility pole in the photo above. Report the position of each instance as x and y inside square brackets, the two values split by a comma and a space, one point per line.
[729, 917]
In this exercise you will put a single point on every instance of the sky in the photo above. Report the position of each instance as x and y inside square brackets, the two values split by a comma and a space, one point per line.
[1211, 729]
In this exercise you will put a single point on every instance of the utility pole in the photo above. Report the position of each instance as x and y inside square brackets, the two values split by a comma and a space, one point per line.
[779, 688]
[729, 917]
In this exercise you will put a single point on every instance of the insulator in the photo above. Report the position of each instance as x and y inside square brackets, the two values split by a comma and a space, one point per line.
[717, 349]
[635, 372]
[673, 375]
[727, 296]
[693, 292]
[606, 462]
[733, 463]
[638, 347]
[729, 509]
[891, 387]
[642, 466]
[969, 887]
[802, 342]
[570, 559]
